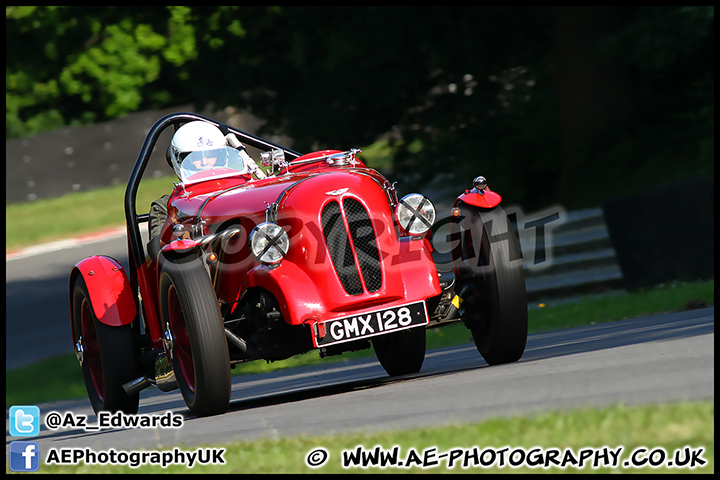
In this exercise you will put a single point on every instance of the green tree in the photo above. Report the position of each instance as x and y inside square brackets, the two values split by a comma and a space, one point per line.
[552, 104]
[78, 65]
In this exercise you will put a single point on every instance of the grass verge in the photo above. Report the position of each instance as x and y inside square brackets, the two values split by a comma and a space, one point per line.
[661, 434]
[62, 378]
[76, 213]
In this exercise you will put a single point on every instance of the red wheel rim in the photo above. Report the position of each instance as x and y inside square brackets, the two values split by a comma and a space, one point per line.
[91, 348]
[182, 351]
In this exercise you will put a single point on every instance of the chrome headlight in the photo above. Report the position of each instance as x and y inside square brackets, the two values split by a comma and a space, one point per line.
[269, 243]
[415, 213]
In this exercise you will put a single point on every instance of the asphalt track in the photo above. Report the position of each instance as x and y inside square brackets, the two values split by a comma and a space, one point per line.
[652, 359]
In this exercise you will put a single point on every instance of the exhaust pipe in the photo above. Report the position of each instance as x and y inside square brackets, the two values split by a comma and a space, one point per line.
[134, 386]
[164, 378]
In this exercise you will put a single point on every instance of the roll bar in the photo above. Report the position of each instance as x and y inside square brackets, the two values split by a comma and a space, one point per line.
[132, 219]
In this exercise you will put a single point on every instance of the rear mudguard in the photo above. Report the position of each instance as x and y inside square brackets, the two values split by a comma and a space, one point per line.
[109, 289]
[480, 198]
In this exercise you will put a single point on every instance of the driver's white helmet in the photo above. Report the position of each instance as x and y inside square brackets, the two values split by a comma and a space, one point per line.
[192, 137]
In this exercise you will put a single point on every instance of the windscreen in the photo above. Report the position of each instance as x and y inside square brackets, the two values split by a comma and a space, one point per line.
[209, 164]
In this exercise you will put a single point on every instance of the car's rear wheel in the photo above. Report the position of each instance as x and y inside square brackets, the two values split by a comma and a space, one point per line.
[198, 347]
[108, 355]
[495, 301]
[401, 353]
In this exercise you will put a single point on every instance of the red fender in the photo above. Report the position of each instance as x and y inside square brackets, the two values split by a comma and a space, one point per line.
[109, 289]
[484, 199]
[294, 291]
[419, 272]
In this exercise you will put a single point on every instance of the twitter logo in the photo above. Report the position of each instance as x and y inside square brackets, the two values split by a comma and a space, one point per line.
[24, 421]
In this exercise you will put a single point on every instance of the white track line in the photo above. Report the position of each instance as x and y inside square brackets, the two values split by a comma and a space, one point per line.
[70, 242]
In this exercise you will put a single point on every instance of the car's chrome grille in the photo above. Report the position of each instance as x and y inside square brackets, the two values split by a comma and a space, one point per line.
[341, 248]
[363, 238]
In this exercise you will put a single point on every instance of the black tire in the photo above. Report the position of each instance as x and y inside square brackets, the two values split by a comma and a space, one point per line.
[110, 357]
[402, 352]
[495, 302]
[200, 352]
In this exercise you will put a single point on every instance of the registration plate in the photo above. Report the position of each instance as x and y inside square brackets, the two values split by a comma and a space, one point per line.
[370, 324]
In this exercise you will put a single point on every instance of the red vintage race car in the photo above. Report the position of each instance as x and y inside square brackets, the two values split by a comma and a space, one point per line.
[314, 252]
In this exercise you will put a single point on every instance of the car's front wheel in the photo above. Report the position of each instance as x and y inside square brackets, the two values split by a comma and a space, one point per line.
[491, 270]
[197, 343]
[107, 354]
[401, 353]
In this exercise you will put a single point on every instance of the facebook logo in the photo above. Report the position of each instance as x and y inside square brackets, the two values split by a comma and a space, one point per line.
[24, 421]
[24, 456]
